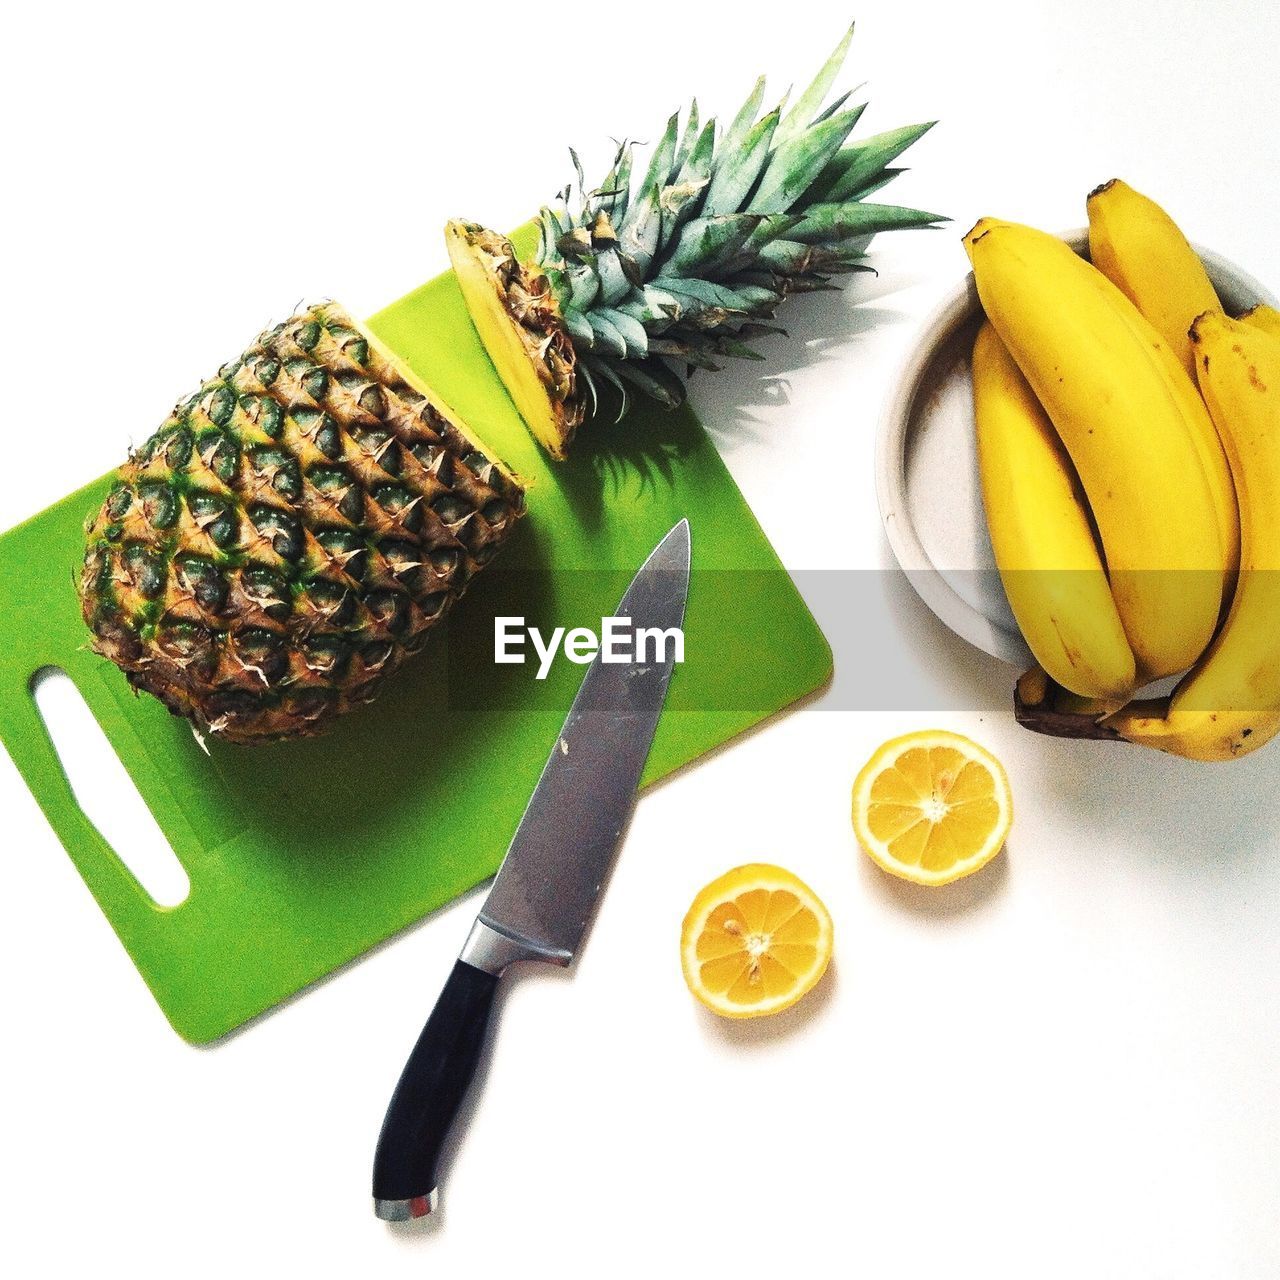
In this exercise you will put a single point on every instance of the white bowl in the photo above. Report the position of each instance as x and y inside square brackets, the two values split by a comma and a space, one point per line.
[927, 467]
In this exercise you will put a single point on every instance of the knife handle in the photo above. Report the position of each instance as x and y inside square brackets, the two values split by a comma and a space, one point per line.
[431, 1089]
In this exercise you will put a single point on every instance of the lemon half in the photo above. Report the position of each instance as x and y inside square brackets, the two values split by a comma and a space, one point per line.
[932, 807]
[754, 941]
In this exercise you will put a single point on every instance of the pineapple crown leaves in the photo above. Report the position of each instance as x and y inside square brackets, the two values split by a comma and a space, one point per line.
[681, 267]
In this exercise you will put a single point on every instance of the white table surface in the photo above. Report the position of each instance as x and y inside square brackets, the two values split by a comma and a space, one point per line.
[1064, 1067]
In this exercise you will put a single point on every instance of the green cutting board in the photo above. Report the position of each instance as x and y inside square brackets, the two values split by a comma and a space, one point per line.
[302, 856]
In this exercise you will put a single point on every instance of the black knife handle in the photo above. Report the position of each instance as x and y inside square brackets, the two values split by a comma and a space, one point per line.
[431, 1089]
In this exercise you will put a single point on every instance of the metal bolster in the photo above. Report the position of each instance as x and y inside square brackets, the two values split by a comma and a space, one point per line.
[491, 950]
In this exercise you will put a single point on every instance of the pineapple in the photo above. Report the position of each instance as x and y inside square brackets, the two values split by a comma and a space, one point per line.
[639, 282]
[294, 529]
[290, 533]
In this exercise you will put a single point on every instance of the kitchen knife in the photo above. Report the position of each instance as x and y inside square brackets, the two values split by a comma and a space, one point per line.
[542, 898]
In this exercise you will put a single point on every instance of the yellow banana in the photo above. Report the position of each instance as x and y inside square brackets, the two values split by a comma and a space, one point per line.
[1205, 435]
[1229, 703]
[1104, 390]
[1044, 545]
[1263, 317]
[1139, 248]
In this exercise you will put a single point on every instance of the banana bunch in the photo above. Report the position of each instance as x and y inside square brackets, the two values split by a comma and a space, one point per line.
[1128, 439]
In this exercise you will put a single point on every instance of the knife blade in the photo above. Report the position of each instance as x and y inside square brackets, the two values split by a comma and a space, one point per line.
[544, 894]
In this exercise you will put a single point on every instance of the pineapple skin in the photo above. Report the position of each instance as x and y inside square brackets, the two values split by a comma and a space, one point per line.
[290, 534]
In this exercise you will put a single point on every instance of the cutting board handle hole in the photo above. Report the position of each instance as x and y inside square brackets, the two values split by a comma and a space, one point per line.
[104, 791]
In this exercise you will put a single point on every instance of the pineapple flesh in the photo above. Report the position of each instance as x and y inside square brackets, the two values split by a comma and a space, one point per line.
[639, 283]
[291, 534]
[518, 320]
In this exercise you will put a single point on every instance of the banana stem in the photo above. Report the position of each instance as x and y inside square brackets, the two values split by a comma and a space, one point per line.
[1039, 704]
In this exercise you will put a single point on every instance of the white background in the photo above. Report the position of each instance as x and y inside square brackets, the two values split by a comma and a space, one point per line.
[1064, 1067]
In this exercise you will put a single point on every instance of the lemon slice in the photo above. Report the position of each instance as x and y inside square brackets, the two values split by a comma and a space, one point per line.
[754, 941]
[932, 807]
